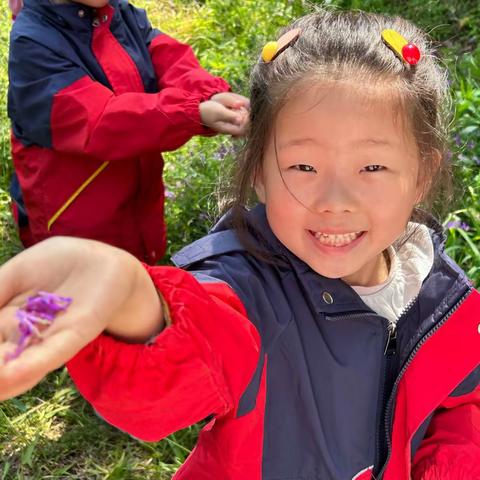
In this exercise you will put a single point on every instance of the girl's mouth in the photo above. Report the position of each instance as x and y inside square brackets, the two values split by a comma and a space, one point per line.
[336, 240]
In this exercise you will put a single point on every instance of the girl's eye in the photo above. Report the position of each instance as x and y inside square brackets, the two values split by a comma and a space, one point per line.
[373, 168]
[303, 168]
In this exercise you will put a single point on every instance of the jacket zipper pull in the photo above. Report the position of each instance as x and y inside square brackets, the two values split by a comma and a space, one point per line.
[391, 344]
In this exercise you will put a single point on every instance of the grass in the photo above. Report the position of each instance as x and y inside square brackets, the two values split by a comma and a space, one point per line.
[51, 433]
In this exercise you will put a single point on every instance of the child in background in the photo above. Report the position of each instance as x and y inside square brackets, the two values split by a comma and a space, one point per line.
[95, 95]
[325, 332]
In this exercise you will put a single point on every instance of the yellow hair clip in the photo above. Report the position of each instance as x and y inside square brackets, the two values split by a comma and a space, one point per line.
[408, 52]
[272, 50]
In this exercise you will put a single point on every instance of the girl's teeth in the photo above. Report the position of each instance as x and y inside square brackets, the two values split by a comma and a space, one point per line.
[336, 240]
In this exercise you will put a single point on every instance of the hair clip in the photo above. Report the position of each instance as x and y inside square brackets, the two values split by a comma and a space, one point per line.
[272, 50]
[408, 52]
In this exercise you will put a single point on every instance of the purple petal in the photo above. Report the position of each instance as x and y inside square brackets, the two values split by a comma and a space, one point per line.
[40, 309]
[458, 224]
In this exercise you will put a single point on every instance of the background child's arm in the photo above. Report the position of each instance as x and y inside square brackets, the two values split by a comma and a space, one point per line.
[175, 63]
[176, 66]
[451, 448]
[55, 104]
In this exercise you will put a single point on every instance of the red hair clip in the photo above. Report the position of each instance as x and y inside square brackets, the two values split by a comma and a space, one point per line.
[408, 52]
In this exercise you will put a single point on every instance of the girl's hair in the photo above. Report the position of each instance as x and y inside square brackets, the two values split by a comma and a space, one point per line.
[347, 46]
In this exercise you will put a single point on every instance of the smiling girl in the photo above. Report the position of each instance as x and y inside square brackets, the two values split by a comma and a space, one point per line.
[324, 332]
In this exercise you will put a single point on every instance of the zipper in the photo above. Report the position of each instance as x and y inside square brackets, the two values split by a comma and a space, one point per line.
[387, 365]
[391, 343]
[389, 357]
[389, 410]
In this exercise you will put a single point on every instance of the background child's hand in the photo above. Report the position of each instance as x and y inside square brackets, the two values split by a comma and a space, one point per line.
[110, 290]
[226, 112]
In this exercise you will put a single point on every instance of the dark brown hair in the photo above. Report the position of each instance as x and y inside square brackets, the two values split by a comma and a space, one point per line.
[347, 46]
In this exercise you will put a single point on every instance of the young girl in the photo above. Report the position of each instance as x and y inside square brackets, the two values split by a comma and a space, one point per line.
[324, 332]
[95, 95]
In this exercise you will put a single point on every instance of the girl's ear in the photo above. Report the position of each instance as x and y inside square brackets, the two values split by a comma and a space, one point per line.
[259, 185]
[428, 175]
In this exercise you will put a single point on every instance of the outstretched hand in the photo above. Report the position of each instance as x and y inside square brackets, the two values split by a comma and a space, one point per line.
[110, 291]
[226, 112]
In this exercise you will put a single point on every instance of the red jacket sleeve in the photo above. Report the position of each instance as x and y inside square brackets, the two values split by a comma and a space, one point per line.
[198, 366]
[88, 118]
[176, 65]
[451, 448]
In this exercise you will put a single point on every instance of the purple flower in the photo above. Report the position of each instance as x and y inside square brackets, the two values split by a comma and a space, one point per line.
[40, 309]
[220, 153]
[458, 140]
[458, 225]
[223, 151]
[170, 195]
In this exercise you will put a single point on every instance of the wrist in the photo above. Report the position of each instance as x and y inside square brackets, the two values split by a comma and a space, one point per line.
[142, 315]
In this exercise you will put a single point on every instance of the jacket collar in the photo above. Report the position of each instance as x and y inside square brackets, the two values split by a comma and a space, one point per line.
[70, 15]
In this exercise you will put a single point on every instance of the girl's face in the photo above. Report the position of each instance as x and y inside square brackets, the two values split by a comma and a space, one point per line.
[340, 180]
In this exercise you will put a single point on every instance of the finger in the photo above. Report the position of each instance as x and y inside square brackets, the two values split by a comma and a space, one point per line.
[225, 115]
[9, 330]
[232, 100]
[26, 270]
[242, 102]
[10, 281]
[21, 374]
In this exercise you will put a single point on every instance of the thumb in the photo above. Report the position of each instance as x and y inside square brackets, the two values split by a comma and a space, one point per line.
[224, 114]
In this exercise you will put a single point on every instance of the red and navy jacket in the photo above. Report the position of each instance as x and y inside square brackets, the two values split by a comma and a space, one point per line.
[296, 386]
[94, 97]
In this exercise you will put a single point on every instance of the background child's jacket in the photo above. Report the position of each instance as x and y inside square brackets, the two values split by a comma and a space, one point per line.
[93, 86]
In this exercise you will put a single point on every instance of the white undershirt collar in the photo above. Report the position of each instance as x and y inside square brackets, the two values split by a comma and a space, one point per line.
[411, 259]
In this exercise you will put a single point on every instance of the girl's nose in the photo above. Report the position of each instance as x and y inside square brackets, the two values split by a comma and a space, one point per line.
[333, 195]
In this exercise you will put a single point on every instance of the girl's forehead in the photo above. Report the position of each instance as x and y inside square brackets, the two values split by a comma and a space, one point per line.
[341, 112]
[307, 99]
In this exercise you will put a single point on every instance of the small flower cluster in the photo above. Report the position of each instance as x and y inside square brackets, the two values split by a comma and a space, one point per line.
[40, 309]
[459, 225]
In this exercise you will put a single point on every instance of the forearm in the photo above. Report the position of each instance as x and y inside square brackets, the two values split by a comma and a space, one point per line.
[188, 372]
[143, 122]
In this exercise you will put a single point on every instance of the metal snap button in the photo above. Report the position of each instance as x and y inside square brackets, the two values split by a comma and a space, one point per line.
[81, 13]
[96, 22]
[327, 298]
[104, 18]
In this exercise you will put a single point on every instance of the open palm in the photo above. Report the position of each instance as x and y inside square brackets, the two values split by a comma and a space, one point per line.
[108, 287]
